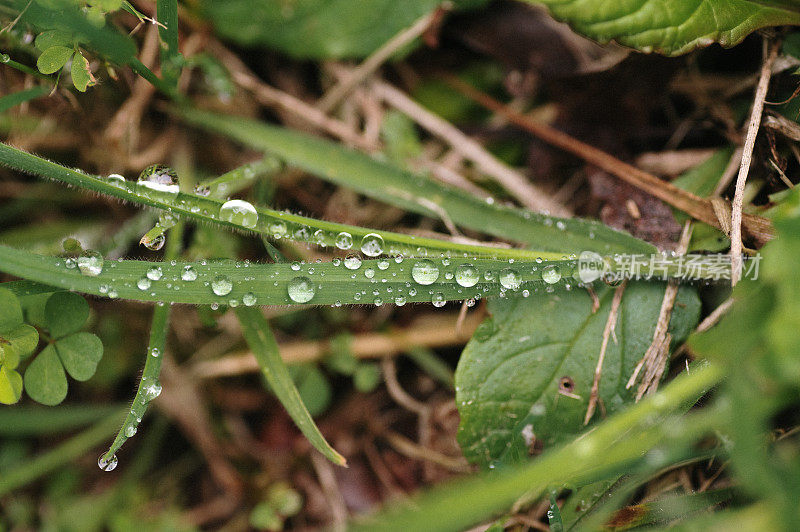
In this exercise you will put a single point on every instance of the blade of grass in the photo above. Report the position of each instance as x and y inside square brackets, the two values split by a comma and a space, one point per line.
[12, 100]
[630, 434]
[259, 337]
[22, 421]
[271, 223]
[51, 460]
[149, 387]
[167, 15]
[418, 193]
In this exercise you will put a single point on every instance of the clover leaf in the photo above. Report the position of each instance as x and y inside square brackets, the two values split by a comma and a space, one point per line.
[77, 352]
[17, 341]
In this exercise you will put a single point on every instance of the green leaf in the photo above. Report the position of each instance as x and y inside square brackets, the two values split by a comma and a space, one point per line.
[53, 59]
[10, 311]
[313, 387]
[527, 373]
[10, 386]
[50, 38]
[64, 313]
[12, 100]
[23, 340]
[316, 28]
[367, 377]
[672, 27]
[81, 74]
[259, 337]
[80, 354]
[45, 380]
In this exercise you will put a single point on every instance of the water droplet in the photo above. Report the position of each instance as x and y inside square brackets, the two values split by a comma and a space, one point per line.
[551, 274]
[221, 285]
[151, 392]
[130, 431]
[369, 273]
[399, 301]
[438, 300]
[378, 302]
[510, 279]
[352, 262]
[155, 352]
[116, 180]
[154, 273]
[143, 283]
[249, 299]
[301, 290]
[202, 190]
[239, 212]
[160, 179]
[90, 263]
[425, 272]
[107, 465]
[383, 264]
[344, 240]
[278, 229]
[372, 245]
[189, 273]
[295, 266]
[155, 243]
[467, 275]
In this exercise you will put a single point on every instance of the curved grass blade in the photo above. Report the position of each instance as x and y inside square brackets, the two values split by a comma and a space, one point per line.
[271, 223]
[258, 335]
[25, 421]
[12, 100]
[418, 193]
[149, 387]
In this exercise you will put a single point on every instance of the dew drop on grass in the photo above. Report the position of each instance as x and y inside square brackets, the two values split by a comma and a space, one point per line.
[467, 275]
[116, 180]
[425, 272]
[154, 273]
[90, 263]
[143, 283]
[130, 431]
[301, 290]
[278, 229]
[438, 300]
[295, 266]
[159, 178]
[189, 273]
[156, 243]
[510, 279]
[202, 190]
[107, 465]
[352, 262]
[249, 299]
[372, 245]
[551, 274]
[151, 392]
[344, 240]
[383, 264]
[369, 273]
[221, 285]
[239, 212]
[399, 301]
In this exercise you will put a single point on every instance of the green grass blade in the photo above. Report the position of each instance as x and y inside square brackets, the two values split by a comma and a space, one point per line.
[51, 460]
[417, 193]
[149, 387]
[24, 421]
[199, 283]
[620, 441]
[270, 223]
[259, 337]
[167, 15]
[12, 100]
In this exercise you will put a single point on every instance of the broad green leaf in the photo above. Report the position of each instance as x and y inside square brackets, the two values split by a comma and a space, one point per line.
[45, 380]
[672, 27]
[317, 28]
[80, 353]
[10, 386]
[53, 59]
[50, 38]
[10, 311]
[258, 335]
[415, 193]
[81, 74]
[64, 313]
[527, 373]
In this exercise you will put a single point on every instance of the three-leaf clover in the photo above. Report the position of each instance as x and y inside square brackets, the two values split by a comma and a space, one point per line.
[77, 352]
[17, 341]
[58, 47]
